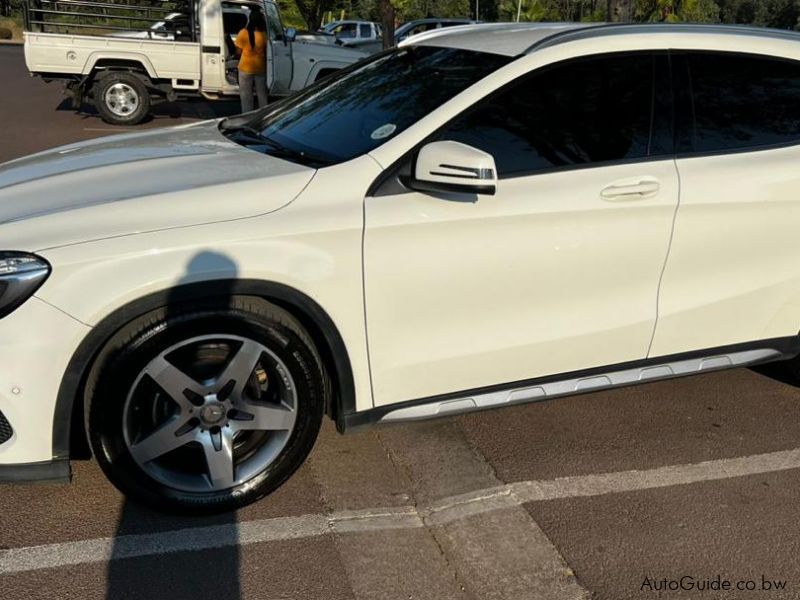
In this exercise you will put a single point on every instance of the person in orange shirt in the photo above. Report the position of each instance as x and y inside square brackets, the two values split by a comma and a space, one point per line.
[251, 46]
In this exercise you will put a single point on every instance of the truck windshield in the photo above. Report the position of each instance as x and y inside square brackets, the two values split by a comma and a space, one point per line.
[350, 114]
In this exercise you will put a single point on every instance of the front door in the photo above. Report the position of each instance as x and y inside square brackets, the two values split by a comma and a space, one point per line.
[558, 271]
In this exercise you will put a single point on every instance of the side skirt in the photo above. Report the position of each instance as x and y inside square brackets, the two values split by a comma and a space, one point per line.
[579, 382]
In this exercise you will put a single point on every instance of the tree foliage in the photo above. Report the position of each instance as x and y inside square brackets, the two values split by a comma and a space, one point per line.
[770, 13]
[313, 11]
[9, 7]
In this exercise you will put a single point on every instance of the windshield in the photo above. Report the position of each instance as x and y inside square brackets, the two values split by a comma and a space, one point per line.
[347, 116]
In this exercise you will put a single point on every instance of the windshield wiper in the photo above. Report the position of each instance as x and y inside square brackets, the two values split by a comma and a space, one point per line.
[246, 129]
[276, 148]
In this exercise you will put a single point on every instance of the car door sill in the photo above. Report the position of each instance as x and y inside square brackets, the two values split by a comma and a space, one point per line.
[580, 382]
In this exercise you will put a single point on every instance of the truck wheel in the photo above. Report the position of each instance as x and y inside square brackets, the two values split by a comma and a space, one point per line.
[121, 99]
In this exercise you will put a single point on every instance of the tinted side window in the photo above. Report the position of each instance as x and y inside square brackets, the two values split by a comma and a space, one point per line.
[364, 30]
[587, 111]
[743, 101]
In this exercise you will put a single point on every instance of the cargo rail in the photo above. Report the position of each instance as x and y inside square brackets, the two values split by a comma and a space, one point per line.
[86, 17]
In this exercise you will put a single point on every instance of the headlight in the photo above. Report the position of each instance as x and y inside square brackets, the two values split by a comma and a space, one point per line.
[21, 274]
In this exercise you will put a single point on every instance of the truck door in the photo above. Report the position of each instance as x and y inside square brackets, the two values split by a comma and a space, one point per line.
[280, 64]
[212, 49]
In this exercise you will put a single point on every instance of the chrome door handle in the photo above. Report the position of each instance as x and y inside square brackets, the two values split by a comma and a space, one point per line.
[639, 189]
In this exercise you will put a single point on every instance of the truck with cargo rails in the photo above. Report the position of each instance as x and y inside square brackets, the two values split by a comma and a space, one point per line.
[123, 55]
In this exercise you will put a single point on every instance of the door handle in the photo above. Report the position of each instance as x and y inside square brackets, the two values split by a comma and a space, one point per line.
[638, 189]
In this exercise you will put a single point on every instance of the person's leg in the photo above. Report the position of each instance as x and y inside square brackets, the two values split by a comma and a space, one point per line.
[246, 91]
[261, 90]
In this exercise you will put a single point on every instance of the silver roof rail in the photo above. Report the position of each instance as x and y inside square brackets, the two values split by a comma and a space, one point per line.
[606, 29]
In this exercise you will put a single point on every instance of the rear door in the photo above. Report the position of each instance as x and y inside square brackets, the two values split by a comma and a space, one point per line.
[733, 274]
[559, 270]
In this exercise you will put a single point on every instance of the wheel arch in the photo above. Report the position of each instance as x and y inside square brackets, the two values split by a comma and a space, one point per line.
[69, 435]
[114, 61]
[327, 66]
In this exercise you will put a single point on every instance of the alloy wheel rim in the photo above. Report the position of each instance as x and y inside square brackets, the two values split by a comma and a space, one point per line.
[196, 430]
[122, 99]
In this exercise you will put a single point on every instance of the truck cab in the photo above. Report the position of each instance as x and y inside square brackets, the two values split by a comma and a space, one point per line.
[364, 35]
[124, 61]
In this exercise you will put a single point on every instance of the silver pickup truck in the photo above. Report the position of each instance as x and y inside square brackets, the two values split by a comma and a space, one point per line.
[122, 57]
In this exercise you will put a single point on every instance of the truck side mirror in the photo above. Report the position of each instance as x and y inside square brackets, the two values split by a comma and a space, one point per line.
[290, 34]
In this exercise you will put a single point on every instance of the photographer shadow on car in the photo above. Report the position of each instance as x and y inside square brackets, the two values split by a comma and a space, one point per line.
[178, 571]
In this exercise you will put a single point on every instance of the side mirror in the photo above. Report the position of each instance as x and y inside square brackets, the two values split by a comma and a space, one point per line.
[448, 166]
[291, 34]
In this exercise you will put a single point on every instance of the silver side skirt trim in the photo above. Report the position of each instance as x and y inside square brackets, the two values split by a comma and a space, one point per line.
[568, 387]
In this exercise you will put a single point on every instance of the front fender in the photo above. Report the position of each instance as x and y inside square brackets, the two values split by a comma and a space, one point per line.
[312, 247]
[66, 423]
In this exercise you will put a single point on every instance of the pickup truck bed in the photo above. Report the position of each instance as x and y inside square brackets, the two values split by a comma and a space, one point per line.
[68, 54]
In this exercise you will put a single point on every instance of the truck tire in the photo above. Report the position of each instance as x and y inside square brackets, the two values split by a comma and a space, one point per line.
[121, 98]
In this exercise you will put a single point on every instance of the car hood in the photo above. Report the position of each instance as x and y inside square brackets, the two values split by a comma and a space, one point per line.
[139, 182]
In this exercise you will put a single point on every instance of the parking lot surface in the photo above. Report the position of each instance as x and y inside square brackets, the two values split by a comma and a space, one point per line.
[607, 495]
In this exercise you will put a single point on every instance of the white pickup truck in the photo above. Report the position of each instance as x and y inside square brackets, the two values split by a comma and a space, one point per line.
[180, 52]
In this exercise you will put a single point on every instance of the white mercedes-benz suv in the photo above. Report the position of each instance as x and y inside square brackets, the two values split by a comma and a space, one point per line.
[487, 215]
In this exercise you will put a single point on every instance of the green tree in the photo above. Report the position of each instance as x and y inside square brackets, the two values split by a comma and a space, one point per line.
[783, 14]
[8, 7]
[770, 13]
[313, 11]
[673, 11]
[551, 10]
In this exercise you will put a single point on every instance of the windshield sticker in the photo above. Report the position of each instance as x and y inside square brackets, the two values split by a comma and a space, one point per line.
[383, 131]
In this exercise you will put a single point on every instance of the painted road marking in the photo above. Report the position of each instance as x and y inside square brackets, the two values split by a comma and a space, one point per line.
[441, 512]
[499, 552]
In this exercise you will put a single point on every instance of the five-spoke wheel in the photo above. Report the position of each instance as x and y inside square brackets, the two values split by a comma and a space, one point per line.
[239, 418]
[207, 409]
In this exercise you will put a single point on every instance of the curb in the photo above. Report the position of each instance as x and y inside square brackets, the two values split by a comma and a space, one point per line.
[11, 42]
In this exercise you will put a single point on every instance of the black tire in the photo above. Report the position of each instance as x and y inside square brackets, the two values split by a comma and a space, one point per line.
[127, 353]
[128, 114]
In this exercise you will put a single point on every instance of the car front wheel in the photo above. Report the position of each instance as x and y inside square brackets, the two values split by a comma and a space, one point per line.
[206, 409]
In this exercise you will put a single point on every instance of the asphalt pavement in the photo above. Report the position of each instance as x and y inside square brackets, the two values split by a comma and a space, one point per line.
[611, 495]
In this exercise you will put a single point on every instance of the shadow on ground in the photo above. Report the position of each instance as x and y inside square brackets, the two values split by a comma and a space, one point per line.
[188, 108]
[209, 573]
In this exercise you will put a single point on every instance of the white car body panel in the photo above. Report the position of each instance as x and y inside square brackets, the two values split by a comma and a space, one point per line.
[38, 342]
[546, 262]
[172, 237]
[162, 180]
[732, 274]
[319, 255]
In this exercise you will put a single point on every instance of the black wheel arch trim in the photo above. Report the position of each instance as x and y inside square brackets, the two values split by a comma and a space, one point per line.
[54, 471]
[69, 402]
